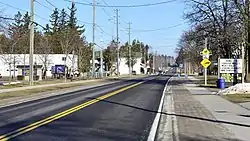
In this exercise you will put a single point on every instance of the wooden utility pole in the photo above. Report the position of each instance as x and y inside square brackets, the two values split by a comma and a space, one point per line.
[31, 74]
[129, 49]
[93, 39]
[117, 41]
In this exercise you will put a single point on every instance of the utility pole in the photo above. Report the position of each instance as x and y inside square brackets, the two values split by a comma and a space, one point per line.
[153, 66]
[101, 62]
[154, 61]
[129, 49]
[117, 40]
[93, 39]
[31, 43]
[101, 59]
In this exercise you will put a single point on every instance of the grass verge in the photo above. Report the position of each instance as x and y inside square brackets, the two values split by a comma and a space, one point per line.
[237, 98]
[211, 80]
[29, 92]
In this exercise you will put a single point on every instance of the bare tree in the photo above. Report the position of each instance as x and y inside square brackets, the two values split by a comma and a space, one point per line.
[44, 50]
[66, 39]
[220, 21]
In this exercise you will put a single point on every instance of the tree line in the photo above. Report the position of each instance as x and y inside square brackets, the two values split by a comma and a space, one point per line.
[62, 35]
[225, 24]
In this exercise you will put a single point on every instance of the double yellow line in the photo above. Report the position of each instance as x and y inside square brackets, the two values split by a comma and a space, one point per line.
[50, 119]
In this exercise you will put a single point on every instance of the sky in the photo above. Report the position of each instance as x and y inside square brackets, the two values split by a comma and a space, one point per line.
[160, 26]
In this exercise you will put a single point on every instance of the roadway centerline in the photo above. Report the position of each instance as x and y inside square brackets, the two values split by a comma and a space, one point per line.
[50, 119]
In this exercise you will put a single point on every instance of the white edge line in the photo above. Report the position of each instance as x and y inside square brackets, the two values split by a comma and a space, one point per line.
[154, 127]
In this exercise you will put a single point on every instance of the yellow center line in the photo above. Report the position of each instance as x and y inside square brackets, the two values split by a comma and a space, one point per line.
[50, 119]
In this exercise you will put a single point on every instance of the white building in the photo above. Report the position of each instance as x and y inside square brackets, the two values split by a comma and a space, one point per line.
[12, 61]
[8, 61]
[124, 69]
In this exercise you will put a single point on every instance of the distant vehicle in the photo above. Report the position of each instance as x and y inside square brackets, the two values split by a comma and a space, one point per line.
[0, 75]
[133, 72]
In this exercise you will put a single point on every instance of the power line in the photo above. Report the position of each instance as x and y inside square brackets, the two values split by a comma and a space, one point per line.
[77, 19]
[50, 4]
[13, 19]
[43, 5]
[104, 31]
[66, 13]
[90, 23]
[23, 10]
[103, 9]
[152, 30]
[125, 6]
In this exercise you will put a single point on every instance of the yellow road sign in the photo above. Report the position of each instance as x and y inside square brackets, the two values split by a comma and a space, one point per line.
[205, 63]
[205, 51]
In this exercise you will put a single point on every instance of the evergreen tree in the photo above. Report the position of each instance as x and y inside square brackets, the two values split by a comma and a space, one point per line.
[18, 19]
[54, 20]
[26, 21]
[63, 20]
[72, 23]
[47, 30]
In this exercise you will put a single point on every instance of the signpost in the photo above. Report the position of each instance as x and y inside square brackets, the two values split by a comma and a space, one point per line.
[205, 62]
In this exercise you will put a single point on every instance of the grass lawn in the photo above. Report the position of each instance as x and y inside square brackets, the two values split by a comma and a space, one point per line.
[237, 98]
[28, 92]
[211, 81]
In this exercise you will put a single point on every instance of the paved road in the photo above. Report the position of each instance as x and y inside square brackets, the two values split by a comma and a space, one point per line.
[120, 111]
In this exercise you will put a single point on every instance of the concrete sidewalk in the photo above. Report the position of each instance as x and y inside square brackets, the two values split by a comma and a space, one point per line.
[190, 114]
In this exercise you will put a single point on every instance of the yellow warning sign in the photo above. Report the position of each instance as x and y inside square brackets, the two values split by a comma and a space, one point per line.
[205, 63]
[205, 51]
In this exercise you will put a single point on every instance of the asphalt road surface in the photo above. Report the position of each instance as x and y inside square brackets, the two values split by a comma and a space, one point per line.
[120, 111]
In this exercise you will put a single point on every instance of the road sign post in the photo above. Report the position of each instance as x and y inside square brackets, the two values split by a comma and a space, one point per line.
[205, 76]
[205, 62]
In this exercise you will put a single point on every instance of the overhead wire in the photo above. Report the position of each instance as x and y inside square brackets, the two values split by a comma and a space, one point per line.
[99, 26]
[13, 19]
[152, 30]
[66, 13]
[125, 6]
[23, 10]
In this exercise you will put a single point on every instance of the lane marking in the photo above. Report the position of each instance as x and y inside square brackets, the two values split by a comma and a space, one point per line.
[50, 119]
[154, 127]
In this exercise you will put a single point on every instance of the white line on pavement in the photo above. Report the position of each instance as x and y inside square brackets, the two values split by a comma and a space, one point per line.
[153, 130]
